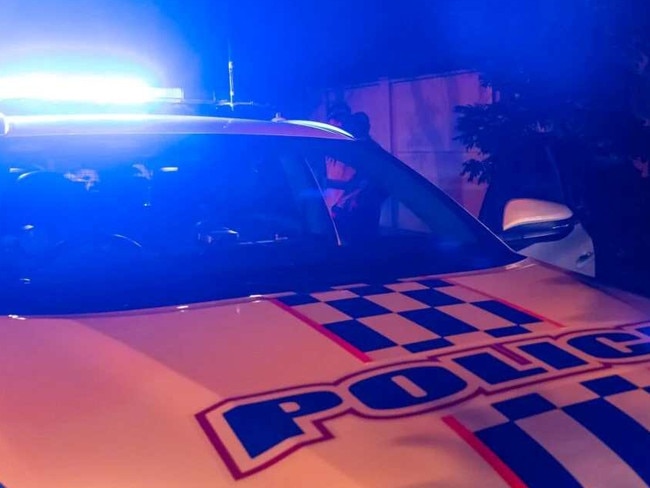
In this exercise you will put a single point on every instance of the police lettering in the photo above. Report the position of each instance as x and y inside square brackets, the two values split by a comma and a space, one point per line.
[268, 425]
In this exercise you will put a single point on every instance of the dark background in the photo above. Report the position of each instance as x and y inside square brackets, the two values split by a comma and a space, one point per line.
[285, 51]
[288, 50]
[572, 76]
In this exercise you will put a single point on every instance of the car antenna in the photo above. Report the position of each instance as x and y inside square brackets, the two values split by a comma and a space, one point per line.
[231, 78]
[230, 102]
[231, 64]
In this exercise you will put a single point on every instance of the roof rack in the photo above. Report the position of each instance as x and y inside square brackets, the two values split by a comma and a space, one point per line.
[191, 106]
[218, 108]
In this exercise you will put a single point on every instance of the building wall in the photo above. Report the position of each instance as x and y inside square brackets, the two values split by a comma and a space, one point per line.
[415, 120]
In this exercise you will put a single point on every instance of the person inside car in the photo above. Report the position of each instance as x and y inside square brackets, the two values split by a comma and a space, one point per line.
[354, 202]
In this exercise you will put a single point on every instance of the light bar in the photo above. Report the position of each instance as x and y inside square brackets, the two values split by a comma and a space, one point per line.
[85, 88]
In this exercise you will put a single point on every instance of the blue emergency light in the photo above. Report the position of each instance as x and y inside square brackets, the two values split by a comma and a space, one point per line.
[84, 89]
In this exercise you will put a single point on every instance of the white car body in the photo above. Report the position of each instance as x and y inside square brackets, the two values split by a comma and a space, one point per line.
[575, 252]
[496, 371]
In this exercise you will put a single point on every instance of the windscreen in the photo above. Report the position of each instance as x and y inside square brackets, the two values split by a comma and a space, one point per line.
[102, 223]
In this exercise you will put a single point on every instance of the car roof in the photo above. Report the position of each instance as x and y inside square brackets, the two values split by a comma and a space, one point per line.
[114, 124]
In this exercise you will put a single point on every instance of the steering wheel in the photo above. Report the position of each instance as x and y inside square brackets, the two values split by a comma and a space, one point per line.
[270, 223]
[96, 251]
[102, 242]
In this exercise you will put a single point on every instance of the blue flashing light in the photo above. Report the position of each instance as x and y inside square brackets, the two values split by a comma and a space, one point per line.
[84, 88]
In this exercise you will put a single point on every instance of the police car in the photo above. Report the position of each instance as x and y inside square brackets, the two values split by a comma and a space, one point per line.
[190, 302]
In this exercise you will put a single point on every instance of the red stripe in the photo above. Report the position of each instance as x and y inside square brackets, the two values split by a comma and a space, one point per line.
[485, 452]
[506, 302]
[361, 356]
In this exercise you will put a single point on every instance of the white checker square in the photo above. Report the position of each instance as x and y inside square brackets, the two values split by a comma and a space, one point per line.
[406, 286]
[480, 417]
[638, 376]
[398, 329]
[389, 353]
[322, 313]
[396, 302]
[475, 316]
[568, 394]
[539, 327]
[635, 403]
[470, 339]
[330, 296]
[462, 293]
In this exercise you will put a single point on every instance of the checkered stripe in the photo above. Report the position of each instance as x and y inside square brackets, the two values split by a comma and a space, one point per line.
[592, 433]
[388, 320]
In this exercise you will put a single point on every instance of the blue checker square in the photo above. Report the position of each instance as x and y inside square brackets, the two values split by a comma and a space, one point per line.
[309, 288]
[506, 312]
[360, 336]
[370, 290]
[610, 385]
[438, 322]
[358, 307]
[433, 283]
[429, 345]
[297, 299]
[533, 464]
[552, 355]
[432, 298]
[508, 331]
[524, 406]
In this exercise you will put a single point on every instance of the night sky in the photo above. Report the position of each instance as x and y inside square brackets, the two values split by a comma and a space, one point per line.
[278, 46]
[288, 50]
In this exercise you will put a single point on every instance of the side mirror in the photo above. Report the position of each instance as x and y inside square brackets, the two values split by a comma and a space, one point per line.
[528, 221]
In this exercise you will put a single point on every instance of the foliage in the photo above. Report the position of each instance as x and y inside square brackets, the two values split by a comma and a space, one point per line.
[572, 87]
[571, 90]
